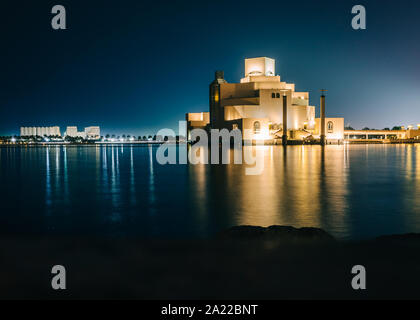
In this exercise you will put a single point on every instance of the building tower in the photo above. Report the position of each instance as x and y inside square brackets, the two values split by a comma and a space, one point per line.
[216, 112]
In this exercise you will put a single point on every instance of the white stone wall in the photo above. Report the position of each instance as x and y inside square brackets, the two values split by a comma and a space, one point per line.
[337, 132]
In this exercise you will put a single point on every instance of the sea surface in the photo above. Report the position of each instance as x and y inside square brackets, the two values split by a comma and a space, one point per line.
[351, 191]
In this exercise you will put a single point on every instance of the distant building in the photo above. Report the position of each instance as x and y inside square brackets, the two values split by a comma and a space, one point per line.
[354, 135]
[72, 132]
[93, 133]
[40, 131]
[90, 133]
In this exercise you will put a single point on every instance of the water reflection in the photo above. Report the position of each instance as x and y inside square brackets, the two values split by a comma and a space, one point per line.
[66, 176]
[299, 186]
[98, 165]
[198, 194]
[48, 199]
[115, 184]
[411, 162]
[105, 168]
[132, 179]
[151, 182]
[351, 191]
[57, 168]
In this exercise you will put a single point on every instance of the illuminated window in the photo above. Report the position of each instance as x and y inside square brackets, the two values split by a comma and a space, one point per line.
[235, 126]
[257, 127]
[216, 96]
[330, 126]
[273, 95]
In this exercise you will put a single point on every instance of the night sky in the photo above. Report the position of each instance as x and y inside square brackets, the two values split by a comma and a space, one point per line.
[135, 67]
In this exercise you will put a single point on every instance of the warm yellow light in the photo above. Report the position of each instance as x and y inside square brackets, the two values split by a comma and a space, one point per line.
[261, 136]
[216, 96]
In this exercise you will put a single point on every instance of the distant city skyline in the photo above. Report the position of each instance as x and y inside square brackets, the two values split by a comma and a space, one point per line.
[135, 68]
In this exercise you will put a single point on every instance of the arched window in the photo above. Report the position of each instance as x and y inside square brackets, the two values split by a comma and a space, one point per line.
[277, 95]
[330, 126]
[257, 127]
[273, 95]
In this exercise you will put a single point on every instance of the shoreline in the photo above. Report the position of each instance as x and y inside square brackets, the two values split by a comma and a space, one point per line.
[48, 144]
[266, 143]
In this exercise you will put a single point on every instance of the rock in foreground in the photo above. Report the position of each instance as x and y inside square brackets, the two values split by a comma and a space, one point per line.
[277, 234]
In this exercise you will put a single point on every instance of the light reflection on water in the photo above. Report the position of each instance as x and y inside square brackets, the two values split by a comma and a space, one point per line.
[352, 191]
[299, 186]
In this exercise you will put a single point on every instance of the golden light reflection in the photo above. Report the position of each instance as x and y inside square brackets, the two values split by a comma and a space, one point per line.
[315, 178]
[412, 185]
[198, 183]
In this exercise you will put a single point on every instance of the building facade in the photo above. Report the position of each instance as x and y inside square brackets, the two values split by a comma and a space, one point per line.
[40, 131]
[257, 104]
[334, 129]
[90, 133]
[404, 134]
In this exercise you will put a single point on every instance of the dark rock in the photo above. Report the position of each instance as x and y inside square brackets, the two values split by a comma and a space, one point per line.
[276, 233]
[244, 232]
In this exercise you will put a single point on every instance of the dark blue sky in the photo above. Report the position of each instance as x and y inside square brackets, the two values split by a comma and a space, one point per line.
[134, 67]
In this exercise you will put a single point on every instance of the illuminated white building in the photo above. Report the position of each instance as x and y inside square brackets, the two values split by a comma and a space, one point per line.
[255, 106]
[72, 132]
[90, 133]
[93, 133]
[40, 131]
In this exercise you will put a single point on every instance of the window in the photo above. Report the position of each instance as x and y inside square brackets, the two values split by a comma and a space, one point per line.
[257, 127]
[330, 126]
[235, 126]
[273, 95]
[216, 96]
[277, 95]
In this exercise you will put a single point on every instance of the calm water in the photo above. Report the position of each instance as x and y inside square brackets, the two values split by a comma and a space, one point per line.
[353, 192]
